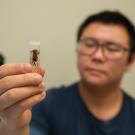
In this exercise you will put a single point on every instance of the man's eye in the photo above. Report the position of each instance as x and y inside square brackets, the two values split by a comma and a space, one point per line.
[113, 48]
[89, 44]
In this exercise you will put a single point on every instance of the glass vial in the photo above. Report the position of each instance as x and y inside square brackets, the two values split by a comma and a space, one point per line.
[35, 56]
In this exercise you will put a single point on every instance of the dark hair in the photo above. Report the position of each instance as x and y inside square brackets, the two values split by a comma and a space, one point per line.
[110, 17]
[2, 59]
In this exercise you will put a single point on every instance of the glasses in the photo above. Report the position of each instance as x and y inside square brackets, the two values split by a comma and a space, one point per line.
[89, 46]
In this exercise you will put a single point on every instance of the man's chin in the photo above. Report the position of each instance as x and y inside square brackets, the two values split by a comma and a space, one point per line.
[94, 82]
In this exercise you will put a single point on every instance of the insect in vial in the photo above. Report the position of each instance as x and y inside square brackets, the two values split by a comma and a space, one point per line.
[34, 55]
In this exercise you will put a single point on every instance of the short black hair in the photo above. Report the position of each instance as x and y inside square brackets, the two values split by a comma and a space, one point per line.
[110, 17]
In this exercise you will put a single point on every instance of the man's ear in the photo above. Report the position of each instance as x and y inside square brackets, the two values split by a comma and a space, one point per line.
[131, 62]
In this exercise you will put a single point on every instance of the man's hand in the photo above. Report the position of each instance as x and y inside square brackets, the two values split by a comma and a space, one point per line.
[20, 90]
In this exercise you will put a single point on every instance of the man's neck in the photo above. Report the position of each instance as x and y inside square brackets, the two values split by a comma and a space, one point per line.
[103, 103]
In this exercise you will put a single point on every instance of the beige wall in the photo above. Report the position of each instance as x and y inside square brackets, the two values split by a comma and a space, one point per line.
[54, 24]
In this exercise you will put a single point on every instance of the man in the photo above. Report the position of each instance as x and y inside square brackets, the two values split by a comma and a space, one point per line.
[95, 105]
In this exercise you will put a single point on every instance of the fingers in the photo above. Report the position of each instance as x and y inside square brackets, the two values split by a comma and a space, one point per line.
[15, 81]
[20, 113]
[41, 71]
[15, 95]
[14, 69]
[20, 89]
[16, 110]
[30, 102]
[18, 75]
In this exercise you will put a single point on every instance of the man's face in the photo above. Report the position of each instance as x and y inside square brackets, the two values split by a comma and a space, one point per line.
[97, 69]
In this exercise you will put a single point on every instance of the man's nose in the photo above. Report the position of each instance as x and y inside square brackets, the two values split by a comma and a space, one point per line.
[99, 54]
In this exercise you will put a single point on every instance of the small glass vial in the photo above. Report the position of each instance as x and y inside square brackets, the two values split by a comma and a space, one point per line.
[34, 56]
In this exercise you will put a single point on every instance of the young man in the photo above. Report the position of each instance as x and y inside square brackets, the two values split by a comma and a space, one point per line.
[95, 105]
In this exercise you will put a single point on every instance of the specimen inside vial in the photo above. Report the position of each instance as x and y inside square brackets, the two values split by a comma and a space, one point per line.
[34, 55]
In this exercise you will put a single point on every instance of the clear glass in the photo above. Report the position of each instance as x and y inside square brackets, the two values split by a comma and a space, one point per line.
[35, 56]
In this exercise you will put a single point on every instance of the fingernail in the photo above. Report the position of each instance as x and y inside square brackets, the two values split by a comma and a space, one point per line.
[43, 94]
[37, 78]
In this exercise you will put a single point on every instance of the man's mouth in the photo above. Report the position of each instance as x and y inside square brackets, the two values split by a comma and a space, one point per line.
[94, 71]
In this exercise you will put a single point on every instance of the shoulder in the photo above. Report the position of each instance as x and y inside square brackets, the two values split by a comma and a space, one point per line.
[60, 96]
[56, 106]
[130, 101]
[57, 98]
[53, 110]
[129, 98]
[56, 102]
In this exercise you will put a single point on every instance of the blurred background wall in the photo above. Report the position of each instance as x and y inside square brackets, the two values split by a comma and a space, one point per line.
[54, 24]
